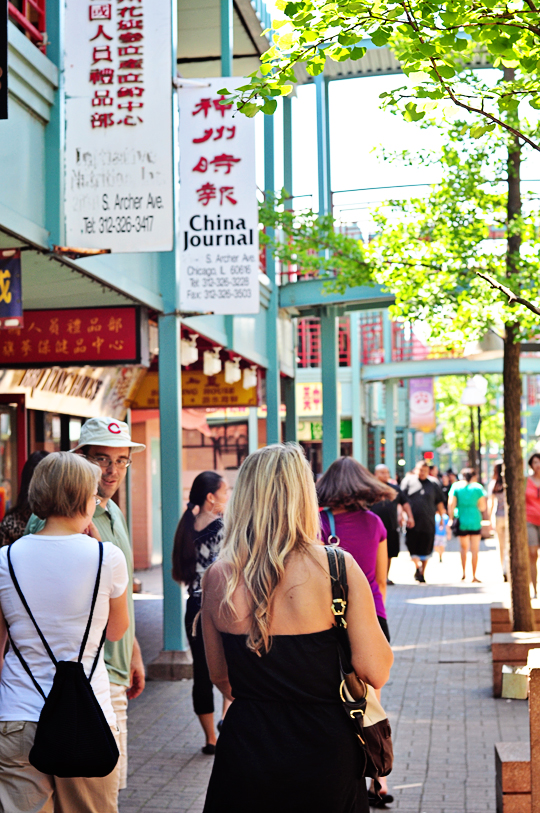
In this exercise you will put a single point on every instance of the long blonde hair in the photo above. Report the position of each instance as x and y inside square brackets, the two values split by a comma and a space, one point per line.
[272, 512]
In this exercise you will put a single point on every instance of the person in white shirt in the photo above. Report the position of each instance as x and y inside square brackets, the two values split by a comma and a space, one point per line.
[56, 569]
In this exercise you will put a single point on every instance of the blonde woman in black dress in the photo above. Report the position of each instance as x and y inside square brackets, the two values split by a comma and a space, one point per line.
[269, 634]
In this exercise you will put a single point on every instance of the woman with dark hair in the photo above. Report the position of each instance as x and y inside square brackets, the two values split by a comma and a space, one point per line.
[497, 513]
[344, 491]
[532, 507]
[196, 545]
[14, 523]
[467, 502]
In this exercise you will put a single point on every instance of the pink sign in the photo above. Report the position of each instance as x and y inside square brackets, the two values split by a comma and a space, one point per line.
[421, 404]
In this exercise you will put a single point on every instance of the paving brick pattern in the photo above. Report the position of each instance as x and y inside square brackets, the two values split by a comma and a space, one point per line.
[445, 721]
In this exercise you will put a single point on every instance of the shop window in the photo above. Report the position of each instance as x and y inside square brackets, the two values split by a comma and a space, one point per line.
[225, 448]
[29, 17]
[74, 431]
[8, 455]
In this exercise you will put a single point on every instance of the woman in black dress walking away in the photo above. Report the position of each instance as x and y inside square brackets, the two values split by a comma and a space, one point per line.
[286, 744]
[196, 545]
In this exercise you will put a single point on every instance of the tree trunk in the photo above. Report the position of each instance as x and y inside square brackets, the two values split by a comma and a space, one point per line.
[515, 487]
[522, 614]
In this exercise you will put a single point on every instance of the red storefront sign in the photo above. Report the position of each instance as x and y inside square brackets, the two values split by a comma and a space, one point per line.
[77, 336]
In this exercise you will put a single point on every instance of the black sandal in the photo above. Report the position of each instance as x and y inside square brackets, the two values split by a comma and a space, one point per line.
[381, 801]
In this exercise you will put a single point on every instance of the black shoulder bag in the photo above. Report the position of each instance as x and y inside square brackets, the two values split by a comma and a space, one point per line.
[73, 738]
[359, 700]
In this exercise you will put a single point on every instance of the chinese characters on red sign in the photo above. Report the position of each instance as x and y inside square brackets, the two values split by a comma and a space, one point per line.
[116, 69]
[74, 336]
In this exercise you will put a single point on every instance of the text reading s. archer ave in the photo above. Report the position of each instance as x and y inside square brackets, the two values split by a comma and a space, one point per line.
[129, 202]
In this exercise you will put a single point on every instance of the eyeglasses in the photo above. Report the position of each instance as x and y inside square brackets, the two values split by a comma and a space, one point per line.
[105, 462]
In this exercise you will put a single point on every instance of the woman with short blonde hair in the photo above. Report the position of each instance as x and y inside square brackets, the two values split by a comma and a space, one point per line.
[56, 570]
[271, 645]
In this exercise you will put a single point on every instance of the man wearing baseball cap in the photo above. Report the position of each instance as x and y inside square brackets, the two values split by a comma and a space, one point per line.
[107, 443]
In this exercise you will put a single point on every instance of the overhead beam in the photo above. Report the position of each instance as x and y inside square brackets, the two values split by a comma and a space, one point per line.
[312, 293]
[443, 366]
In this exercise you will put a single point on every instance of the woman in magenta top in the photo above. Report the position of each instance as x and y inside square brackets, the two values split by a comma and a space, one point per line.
[532, 506]
[345, 489]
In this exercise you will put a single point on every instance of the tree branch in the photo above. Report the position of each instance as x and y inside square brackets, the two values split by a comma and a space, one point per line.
[512, 297]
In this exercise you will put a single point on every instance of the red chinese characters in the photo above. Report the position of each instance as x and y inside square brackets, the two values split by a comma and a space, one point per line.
[75, 336]
[223, 163]
[117, 59]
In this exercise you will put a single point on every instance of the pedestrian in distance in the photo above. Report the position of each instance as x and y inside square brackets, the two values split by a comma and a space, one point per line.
[344, 492]
[466, 504]
[443, 534]
[446, 485]
[391, 513]
[13, 525]
[532, 506]
[271, 643]
[56, 570]
[497, 514]
[426, 499]
[107, 443]
[196, 546]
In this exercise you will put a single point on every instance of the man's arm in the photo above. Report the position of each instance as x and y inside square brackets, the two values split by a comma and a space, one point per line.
[408, 511]
[137, 674]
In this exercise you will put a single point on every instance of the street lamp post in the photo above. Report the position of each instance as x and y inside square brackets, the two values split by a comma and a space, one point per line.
[474, 395]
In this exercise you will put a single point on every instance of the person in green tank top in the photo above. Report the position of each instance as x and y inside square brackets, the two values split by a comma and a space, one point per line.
[466, 503]
[107, 443]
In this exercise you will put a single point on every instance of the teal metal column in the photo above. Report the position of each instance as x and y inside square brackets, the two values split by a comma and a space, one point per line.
[287, 150]
[390, 426]
[327, 139]
[226, 21]
[170, 407]
[356, 404]
[377, 444]
[387, 336]
[329, 380]
[273, 390]
[322, 152]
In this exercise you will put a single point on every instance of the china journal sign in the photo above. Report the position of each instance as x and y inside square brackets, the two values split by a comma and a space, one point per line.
[118, 164]
[219, 222]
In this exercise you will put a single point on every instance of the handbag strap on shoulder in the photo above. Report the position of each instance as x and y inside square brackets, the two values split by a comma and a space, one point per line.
[333, 539]
[338, 579]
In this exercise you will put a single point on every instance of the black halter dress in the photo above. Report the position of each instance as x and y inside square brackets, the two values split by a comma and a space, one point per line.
[286, 744]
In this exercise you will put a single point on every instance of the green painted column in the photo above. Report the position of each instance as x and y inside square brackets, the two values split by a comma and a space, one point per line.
[377, 444]
[287, 150]
[273, 386]
[390, 425]
[329, 380]
[55, 130]
[327, 140]
[356, 401]
[227, 44]
[322, 151]
[174, 660]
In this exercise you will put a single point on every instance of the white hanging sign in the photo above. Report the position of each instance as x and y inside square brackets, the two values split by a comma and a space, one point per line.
[118, 160]
[219, 221]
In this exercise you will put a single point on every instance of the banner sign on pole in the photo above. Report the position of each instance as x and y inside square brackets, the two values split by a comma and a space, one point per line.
[421, 404]
[3, 59]
[118, 165]
[76, 336]
[11, 305]
[219, 219]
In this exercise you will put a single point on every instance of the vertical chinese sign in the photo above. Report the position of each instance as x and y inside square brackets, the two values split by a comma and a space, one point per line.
[118, 185]
[3, 59]
[11, 305]
[421, 404]
[219, 220]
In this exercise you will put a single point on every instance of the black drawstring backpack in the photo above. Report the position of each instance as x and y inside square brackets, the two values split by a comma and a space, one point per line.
[73, 738]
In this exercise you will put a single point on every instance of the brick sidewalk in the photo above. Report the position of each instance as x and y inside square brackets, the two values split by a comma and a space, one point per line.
[445, 721]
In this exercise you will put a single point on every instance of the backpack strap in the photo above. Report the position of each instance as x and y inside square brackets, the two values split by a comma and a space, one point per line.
[332, 539]
[27, 608]
[93, 604]
[24, 664]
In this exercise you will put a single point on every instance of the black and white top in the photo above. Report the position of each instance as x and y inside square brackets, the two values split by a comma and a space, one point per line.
[207, 544]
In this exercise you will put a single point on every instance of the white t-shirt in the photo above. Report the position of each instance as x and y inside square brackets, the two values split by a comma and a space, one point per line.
[56, 575]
